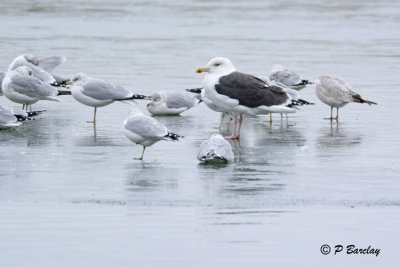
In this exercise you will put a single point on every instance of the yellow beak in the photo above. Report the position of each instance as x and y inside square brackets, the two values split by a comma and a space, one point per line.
[67, 82]
[201, 69]
[149, 104]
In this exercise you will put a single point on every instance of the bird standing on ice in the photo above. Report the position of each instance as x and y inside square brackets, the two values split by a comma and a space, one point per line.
[98, 93]
[227, 90]
[145, 130]
[21, 87]
[336, 93]
[284, 77]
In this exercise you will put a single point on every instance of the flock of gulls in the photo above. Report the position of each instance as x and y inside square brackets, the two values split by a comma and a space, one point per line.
[226, 90]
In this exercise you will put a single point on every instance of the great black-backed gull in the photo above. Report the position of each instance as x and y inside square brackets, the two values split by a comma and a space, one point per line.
[227, 90]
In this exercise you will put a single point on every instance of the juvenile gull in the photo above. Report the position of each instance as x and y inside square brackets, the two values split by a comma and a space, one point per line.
[145, 130]
[227, 90]
[284, 77]
[20, 87]
[337, 93]
[170, 103]
[98, 93]
[40, 68]
[215, 149]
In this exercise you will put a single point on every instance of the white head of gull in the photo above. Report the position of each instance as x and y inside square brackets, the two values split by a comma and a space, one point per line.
[227, 90]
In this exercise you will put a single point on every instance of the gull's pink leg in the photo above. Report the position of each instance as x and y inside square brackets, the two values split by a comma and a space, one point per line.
[233, 136]
[240, 126]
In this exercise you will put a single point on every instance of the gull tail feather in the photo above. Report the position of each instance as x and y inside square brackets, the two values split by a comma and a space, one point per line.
[24, 118]
[173, 137]
[63, 92]
[133, 97]
[194, 90]
[35, 113]
[357, 98]
[212, 156]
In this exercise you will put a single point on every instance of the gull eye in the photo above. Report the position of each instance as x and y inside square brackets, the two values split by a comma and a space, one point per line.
[217, 64]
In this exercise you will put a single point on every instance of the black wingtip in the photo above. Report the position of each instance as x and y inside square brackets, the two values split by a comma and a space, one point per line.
[304, 102]
[24, 118]
[135, 97]
[194, 90]
[64, 92]
[35, 113]
[174, 137]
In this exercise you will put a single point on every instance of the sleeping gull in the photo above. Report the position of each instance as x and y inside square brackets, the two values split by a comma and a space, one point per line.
[41, 68]
[7, 118]
[227, 90]
[145, 130]
[287, 78]
[170, 103]
[215, 149]
[10, 118]
[336, 93]
[98, 93]
[20, 87]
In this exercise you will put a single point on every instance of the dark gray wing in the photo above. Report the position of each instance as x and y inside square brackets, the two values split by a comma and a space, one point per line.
[250, 91]
[102, 90]
[146, 127]
[32, 87]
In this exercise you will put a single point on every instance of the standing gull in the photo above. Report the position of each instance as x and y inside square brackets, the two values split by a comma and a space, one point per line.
[227, 90]
[98, 93]
[215, 149]
[287, 78]
[20, 87]
[337, 93]
[145, 130]
[294, 94]
[170, 103]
